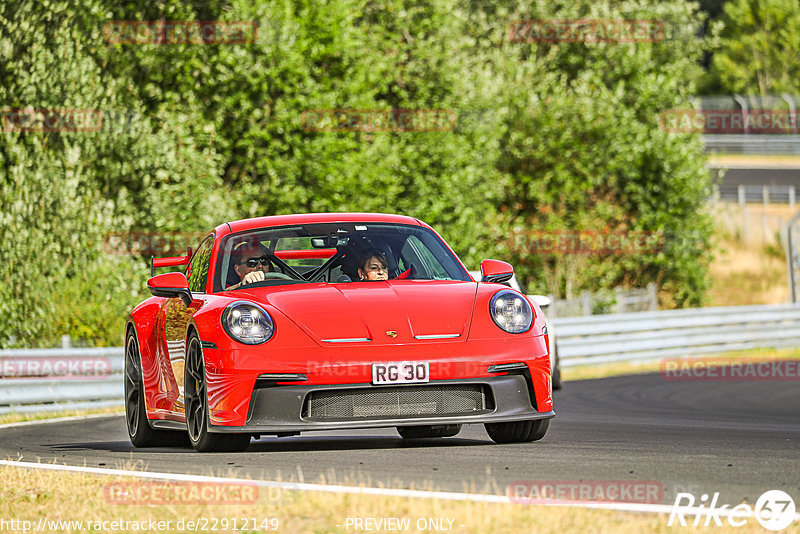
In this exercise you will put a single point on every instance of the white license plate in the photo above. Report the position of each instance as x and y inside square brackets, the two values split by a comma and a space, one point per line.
[400, 373]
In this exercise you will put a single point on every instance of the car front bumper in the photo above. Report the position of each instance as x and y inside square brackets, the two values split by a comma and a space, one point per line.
[301, 408]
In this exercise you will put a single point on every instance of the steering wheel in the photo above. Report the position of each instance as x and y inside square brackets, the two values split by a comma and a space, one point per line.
[277, 276]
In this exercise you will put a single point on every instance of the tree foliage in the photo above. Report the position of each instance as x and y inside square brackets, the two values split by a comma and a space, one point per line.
[758, 48]
[545, 137]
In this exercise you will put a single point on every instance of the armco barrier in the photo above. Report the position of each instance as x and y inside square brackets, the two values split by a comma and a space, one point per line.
[628, 337]
[46, 393]
[620, 337]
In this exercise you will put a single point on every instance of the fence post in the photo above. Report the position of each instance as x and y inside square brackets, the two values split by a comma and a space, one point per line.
[652, 296]
[619, 305]
[739, 99]
[791, 196]
[782, 233]
[792, 112]
[740, 192]
[66, 342]
[553, 310]
[745, 226]
[765, 194]
[586, 303]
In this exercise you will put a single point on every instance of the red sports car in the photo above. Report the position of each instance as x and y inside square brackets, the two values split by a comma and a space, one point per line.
[292, 323]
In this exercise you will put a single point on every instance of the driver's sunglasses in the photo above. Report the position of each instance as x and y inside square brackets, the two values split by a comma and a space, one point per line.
[253, 262]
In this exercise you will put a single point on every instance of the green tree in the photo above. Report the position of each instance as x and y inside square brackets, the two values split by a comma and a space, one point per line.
[547, 137]
[758, 48]
[581, 150]
[61, 191]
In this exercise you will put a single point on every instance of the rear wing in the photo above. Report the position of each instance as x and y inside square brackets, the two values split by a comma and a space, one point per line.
[171, 261]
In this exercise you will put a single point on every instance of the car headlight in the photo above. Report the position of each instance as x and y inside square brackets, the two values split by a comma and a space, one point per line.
[511, 311]
[247, 323]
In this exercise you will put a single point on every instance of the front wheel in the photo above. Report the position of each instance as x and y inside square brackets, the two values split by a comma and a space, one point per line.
[196, 407]
[517, 431]
[428, 431]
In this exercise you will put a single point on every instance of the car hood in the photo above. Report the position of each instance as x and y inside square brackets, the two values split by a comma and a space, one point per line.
[392, 312]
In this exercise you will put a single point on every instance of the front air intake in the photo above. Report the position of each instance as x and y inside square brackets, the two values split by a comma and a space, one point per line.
[398, 402]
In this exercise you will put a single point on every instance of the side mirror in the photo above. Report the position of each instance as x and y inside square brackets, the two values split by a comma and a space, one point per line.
[496, 271]
[171, 285]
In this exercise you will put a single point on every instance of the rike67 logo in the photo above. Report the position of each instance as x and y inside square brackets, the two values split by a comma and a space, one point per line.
[774, 510]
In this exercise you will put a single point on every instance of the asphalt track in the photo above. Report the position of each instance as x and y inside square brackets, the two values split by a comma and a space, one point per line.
[736, 438]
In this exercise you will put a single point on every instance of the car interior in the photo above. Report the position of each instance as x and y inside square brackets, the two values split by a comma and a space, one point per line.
[302, 255]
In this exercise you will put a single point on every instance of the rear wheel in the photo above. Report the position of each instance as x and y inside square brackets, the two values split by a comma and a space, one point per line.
[139, 429]
[517, 431]
[428, 431]
[195, 396]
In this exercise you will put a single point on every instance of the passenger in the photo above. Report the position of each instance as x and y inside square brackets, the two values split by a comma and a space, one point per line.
[373, 265]
[250, 262]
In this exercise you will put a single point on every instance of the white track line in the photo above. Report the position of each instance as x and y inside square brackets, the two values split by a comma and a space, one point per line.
[294, 486]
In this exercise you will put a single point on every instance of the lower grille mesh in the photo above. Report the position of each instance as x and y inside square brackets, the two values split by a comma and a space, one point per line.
[399, 401]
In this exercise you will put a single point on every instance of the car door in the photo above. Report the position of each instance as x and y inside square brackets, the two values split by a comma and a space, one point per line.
[177, 315]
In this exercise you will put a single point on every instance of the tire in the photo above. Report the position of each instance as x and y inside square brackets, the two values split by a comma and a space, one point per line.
[517, 431]
[195, 397]
[428, 431]
[139, 430]
[556, 374]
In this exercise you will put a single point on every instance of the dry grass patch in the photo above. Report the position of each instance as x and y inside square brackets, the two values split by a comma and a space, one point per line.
[585, 372]
[746, 275]
[751, 270]
[781, 161]
[34, 495]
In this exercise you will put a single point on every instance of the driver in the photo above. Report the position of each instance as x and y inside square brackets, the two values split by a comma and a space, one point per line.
[372, 265]
[250, 261]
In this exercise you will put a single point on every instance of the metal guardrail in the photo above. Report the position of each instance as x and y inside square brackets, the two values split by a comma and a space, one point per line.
[619, 301]
[752, 143]
[595, 339]
[762, 194]
[632, 337]
[38, 383]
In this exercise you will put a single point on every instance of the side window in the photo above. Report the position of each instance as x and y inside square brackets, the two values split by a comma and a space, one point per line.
[415, 252]
[198, 268]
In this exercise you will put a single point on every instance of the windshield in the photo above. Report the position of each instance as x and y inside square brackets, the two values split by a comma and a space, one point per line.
[334, 252]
